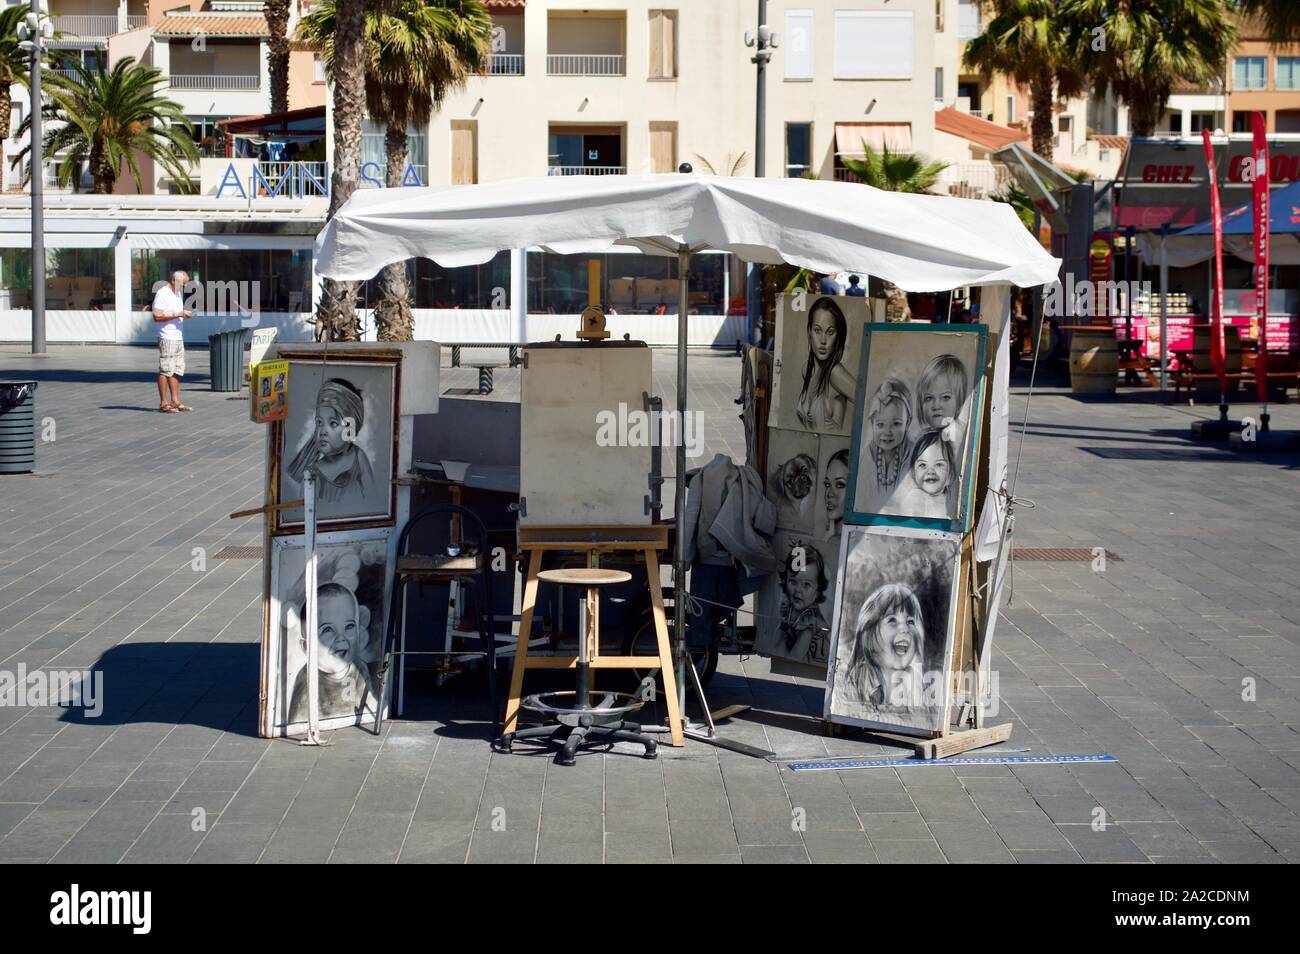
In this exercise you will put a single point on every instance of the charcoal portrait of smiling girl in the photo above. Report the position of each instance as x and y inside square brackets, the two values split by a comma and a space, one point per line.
[892, 629]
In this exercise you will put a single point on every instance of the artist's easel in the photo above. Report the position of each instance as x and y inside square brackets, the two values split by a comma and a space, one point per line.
[593, 542]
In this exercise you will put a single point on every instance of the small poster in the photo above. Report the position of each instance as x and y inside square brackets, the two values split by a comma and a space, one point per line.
[268, 391]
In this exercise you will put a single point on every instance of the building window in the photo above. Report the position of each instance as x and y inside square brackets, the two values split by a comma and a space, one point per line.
[798, 149]
[938, 84]
[1011, 109]
[873, 45]
[1248, 72]
[938, 15]
[1202, 121]
[632, 284]
[968, 19]
[1176, 123]
[283, 276]
[1288, 72]
[663, 44]
[374, 156]
[433, 286]
[798, 43]
[1241, 122]
[319, 65]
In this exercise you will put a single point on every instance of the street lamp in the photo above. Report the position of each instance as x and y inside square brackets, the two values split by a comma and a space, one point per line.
[762, 43]
[32, 35]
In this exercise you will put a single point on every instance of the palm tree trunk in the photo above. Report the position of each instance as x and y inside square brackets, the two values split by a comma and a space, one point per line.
[336, 320]
[1041, 127]
[1143, 114]
[6, 108]
[393, 317]
[101, 170]
[277, 57]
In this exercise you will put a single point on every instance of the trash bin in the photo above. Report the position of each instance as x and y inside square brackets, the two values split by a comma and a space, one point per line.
[17, 427]
[226, 353]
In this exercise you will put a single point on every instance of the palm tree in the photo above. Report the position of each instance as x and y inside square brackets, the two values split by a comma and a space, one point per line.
[1280, 18]
[110, 118]
[277, 54]
[14, 62]
[896, 172]
[417, 52]
[732, 164]
[1030, 42]
[336, 319]
[1149, 47]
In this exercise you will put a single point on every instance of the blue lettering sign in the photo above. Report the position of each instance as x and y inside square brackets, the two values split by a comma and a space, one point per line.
[375, 166]
[231, 177]
[411, 177]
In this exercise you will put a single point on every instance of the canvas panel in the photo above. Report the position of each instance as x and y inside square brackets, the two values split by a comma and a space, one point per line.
[892, 629]
[919, 412]
[793, 478]
[571, 472]
[352, 581]
[818, 342]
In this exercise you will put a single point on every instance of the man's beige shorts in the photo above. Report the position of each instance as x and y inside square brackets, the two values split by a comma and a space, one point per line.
[171, 357]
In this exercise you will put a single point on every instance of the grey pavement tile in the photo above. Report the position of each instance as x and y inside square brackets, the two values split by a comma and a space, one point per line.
[1111, 845]
[629, 848]
[838, 847]
[913, 851]
[436, 843]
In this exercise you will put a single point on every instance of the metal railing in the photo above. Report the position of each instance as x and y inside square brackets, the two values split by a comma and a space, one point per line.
[305, 178]
[586, 170]
[96, 26]
[205, 82]
[505, 64]
[584, 64]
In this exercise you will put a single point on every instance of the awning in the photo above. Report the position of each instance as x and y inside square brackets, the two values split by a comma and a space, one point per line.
[981, 132]
[1040, 180]
[212, 25]
[851, 139]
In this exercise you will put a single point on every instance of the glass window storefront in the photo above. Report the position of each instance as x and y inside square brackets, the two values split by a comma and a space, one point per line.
[76, 279]
[473, 286]
[630, 284]
[282, 276]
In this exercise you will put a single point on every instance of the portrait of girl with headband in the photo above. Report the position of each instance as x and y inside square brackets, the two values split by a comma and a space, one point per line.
[345, 472]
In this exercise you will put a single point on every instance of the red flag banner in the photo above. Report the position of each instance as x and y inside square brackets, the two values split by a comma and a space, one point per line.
[1216, 306]
[1261, 216]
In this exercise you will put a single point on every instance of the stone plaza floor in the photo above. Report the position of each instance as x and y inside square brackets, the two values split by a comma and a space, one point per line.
[1181, 659]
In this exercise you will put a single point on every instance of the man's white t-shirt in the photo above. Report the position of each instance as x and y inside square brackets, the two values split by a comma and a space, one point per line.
[167, 302]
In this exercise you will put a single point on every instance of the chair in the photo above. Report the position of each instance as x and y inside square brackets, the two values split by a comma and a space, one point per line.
[578, 722]
[463, 561]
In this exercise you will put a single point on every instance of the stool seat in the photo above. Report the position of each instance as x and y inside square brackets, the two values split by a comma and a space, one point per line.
[584, 576]
[417, 564]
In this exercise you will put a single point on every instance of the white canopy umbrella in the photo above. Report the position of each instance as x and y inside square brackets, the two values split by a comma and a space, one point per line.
[918, 242]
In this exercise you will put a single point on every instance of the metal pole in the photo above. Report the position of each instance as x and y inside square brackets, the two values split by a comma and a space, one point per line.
[760, 113]
[679, 490]
[1164, 310]
[311, 627]
[38, 185]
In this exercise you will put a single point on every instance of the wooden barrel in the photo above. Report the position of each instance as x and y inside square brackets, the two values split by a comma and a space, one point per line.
[1094, 360]
[1201, 363]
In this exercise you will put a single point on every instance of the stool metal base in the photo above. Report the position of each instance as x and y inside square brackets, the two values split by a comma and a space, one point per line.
[601, 724]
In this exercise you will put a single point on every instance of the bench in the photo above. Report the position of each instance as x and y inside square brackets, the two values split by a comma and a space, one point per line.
[1190, 380]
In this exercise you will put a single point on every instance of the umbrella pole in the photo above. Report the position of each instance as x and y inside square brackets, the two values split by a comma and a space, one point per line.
[679, 489]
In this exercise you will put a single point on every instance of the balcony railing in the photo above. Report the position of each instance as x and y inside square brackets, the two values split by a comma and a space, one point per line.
[584, 64]
[99, 26]
[204, 82]
[505, 64]
[586, 170]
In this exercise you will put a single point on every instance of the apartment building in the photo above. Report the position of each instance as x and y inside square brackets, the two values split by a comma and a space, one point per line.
[1263, 78]
[213, 54]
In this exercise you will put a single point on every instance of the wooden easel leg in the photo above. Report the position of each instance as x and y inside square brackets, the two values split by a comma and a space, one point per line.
[665, 651]
[521, 647]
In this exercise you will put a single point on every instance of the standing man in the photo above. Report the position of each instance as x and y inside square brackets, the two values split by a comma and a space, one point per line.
[855, 290]
[169, 313]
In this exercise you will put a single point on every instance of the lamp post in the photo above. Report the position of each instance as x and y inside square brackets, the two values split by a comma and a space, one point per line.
[762, 42]
[33, 33]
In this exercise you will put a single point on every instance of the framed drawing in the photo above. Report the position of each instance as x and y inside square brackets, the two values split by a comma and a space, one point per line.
[345, 414]
[916, 429]
[892, 630]
[351, 585]
[818, 338]
[794, 606]
[585, 455]
[792, 478]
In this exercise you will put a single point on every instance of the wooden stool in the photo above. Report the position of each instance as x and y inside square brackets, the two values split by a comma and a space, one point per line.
[578, 722]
